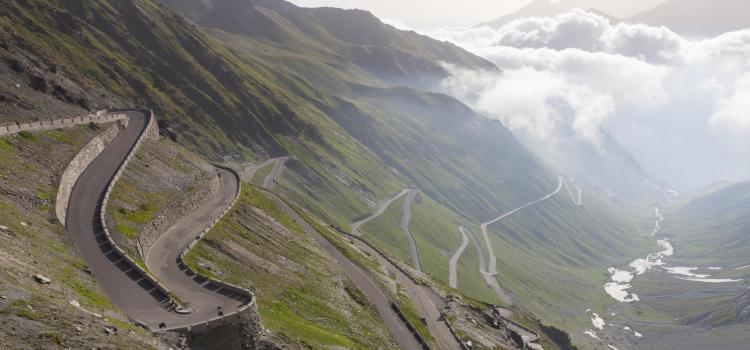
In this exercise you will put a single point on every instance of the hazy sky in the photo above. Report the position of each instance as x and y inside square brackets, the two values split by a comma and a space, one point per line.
[424, 14]
[429, 14]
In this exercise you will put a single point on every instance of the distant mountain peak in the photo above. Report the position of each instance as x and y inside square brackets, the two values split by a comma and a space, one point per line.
[698, 18]
[547, 8]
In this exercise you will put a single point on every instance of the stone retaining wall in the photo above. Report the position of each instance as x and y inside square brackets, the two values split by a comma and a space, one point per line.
[81, 161]
[173, 213]
[148, 131]
[99, 117]
[247, 314]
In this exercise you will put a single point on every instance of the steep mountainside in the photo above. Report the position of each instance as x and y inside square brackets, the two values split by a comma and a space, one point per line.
[340, 36]
[253, 80]
[698, 18]
[720, 225]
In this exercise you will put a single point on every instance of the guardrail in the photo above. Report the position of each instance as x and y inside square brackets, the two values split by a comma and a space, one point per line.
[455, 335]
[409, 276]
[536, 335]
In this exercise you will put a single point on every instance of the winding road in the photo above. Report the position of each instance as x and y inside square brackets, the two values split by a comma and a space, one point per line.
[123, 284]
[379, 211]
[425, 300]
[272, 178]
[405, 223]
[452, 274]
[161, 259]
[492, 260]
[372, 290]
[406, 227]
[144, 302]
[577, 198]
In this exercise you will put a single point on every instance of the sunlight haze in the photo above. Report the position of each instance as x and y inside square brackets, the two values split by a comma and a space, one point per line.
[427, 14]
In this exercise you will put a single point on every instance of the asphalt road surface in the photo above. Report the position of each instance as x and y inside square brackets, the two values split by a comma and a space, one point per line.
[122, 284]
[272, 178]
[423, 298]
[406, 227]
[377, 297]
[452, 270]
[161, 259]
[127, 289]
[379, 211]
[493, 260]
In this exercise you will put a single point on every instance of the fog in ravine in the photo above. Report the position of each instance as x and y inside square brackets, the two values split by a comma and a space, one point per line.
[680, 106]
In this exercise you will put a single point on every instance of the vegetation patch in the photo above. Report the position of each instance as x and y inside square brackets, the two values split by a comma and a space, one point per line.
[28, 135]
[315, 307]
[60, 137]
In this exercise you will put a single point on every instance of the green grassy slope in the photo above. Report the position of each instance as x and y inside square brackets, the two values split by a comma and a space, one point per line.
[715, 227]
[308, 84]
[554, 256]
[32, 241]
[708, 231]
[316, 306]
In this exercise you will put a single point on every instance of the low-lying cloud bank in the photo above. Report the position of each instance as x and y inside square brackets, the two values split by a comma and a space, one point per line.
[682, 107]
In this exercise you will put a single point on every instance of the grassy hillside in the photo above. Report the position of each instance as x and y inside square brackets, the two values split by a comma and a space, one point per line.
[248, 82]
[709, 233]
[71, 311]
[257, 245]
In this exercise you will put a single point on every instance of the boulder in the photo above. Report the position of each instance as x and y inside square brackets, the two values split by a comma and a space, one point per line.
[42, 279]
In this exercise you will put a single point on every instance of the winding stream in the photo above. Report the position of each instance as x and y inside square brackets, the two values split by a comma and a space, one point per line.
[620, 279]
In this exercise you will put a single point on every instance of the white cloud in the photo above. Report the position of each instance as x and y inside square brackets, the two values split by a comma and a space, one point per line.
[733, 108]
[536, 102]
[670, 100]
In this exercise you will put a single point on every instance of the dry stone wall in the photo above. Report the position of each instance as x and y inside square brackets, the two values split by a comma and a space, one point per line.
[13, 128]
[247, 315]
[174, 213]
[81, 161]
[83, 158]
[148, 131]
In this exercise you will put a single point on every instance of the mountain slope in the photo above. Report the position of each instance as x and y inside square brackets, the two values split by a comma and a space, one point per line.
[293, 85]
[347, 36]
[699, 18]
[547, 8]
